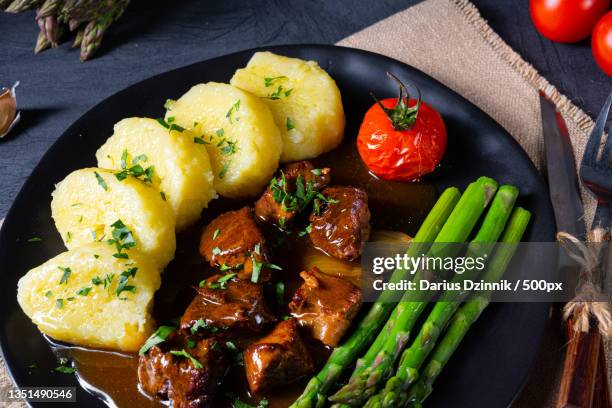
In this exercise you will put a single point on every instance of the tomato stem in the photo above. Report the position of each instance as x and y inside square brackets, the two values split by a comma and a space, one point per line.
[402, 116]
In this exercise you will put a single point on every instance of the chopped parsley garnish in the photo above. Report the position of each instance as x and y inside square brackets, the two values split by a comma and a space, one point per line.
[316, 172]
[305, 231]
[169, 125]
[64, 369]
[96, 280]
[69, 237]
[199, 140]
[168, 104]
[122, 284]
[216, 251]
[35, 239]
[216, 234]
[122, 239]
[65, 275]
[220, 132]
[268, 81]
[296, 201]
[70, 299]
[139, 158]
[59, 303]
[108, 279]
[280, 293]
[183, 353]
[221, 283]
[286, 317]
[160, 335]
[316, 206]
[191, 343]
[84, 291]
[263, 403]
[199, 324]
[290, 124]
[256, 270]
[227, 147]
[162, 195]
[231, 113]
[48, 293]
[224, 169]
[101, 181]
[279, 93]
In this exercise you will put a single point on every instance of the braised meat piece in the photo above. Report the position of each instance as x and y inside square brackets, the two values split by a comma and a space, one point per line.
[277, 359]
[234, 241]
[289, 193]
[325, 305]
[186, 376]
[341, 225]
[226, 308]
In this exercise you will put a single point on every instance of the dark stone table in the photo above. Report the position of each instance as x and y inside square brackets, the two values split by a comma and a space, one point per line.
[155, 36]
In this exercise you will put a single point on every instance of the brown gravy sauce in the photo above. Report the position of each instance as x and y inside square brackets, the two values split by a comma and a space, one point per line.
[394, 206]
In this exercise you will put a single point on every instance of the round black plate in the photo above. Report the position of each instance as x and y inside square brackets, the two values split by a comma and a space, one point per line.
[492, 363]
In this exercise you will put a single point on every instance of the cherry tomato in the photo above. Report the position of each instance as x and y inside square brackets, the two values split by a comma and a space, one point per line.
[402, 139]
[566, 21]
[601, 43]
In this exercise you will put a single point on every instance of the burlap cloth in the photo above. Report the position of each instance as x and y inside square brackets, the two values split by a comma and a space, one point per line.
[449, 40]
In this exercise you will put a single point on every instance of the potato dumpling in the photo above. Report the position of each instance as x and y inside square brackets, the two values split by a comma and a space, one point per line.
[94, 204]
[88, 297]
[243, 142]
[180, 163]
[304, 100]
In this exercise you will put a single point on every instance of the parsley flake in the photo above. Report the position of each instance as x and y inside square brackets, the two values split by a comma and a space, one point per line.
[101, 181]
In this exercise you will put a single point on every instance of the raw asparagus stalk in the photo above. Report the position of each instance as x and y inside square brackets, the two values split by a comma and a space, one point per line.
[17, 6]
[78, 39]
[315, 393]
[395, 392]
[368, 376]
[470, 311]
[4, 4]
[94, 31]
[42, 43]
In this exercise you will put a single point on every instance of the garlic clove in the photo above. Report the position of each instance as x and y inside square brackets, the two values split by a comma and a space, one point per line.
[9, 116]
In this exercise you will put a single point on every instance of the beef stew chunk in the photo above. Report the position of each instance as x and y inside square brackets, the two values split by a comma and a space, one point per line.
[277, 359]
[233, 241]
[227, 308]
[186, 376]
[341, 225]
[290, 192]
[325, 305]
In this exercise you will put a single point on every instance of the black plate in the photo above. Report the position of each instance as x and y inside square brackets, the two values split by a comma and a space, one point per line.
[492, 363]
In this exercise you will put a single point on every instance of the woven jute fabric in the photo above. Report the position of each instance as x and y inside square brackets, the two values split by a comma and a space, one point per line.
[450, 41]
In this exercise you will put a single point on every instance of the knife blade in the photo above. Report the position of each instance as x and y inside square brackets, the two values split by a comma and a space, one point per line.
[561, 171]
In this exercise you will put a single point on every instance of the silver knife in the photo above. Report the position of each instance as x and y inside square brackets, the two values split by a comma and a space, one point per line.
[561, 172]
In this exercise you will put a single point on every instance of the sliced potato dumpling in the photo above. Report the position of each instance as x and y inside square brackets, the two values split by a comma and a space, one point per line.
[88, 297]
[95, 205]
[243, 142]
[180, 165]
[304, 100]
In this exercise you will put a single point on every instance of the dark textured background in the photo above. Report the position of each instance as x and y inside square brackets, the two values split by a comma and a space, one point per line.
[155, 36]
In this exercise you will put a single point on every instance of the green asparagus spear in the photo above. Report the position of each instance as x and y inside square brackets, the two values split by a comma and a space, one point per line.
[470, 311]
[42, 43]
[4, 4]
[48, 9]
[78, 39]
[367, 380]
[17, 6]
[315, 393]
[94, 31]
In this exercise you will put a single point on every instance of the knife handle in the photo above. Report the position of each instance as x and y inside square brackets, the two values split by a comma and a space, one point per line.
[602, 388]
[579, 369]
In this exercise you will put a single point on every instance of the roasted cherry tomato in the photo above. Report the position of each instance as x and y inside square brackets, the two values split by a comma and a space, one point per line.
[601, 43]
[401, 138]
[566, 21]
